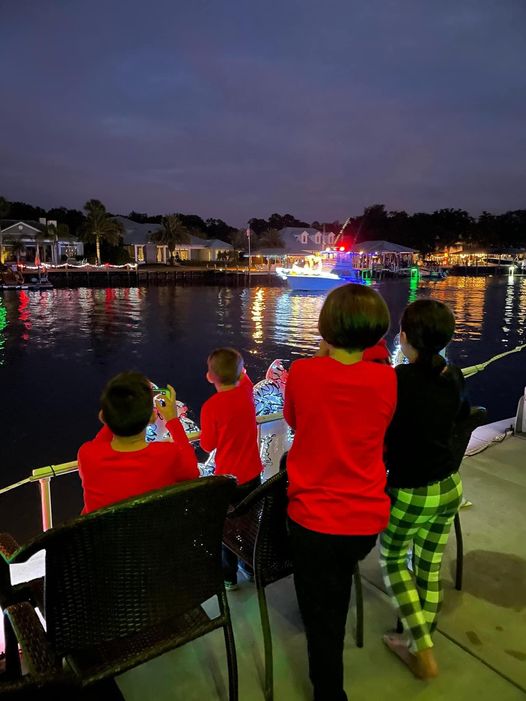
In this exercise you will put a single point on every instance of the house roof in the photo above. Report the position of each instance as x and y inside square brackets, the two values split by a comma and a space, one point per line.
[380, 247]
[291, 237]
[140, 234]
[217, 243]
[269, 252]
[297, 230]
[136, 233]
[7, 224]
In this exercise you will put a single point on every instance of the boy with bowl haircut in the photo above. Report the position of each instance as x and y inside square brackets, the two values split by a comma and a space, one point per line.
[118, 463]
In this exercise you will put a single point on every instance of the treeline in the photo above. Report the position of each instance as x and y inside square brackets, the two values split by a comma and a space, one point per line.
[421, 230]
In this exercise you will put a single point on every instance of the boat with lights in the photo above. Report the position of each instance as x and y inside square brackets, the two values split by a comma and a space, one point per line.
[313, 276]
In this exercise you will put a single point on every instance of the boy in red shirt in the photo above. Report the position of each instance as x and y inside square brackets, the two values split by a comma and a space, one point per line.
[118, 463]
[228, 425]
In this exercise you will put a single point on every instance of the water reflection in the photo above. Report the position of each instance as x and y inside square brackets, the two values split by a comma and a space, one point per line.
[258, 305]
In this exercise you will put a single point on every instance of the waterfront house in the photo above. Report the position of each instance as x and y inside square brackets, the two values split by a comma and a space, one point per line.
[27, 240]
[138, 240]
[298, 242]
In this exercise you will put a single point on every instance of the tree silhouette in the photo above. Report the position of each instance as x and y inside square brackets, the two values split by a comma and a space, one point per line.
[173, 233]
[100, 227]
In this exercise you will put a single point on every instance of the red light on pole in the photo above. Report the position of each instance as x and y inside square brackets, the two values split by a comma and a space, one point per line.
[342, 248]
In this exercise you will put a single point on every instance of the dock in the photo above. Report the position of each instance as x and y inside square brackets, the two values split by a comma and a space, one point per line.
[147, 276]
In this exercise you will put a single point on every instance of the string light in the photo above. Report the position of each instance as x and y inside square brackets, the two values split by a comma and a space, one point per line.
[105, 266]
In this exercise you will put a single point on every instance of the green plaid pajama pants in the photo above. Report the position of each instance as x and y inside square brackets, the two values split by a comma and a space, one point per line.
[422, 518]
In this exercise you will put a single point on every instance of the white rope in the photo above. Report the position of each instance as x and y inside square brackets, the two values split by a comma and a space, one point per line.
[473, 369]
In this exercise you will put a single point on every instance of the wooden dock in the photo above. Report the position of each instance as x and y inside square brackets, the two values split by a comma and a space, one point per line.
[147, 276]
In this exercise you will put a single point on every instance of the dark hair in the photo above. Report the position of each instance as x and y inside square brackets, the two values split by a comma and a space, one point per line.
[429, 327]
[127, 403]
[226, 364]
[353, 317]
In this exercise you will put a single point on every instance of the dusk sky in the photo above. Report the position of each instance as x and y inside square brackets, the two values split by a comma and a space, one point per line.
[237, 109]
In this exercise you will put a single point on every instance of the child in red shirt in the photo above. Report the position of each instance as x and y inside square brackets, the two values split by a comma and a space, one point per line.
[339, 405]
[118, 463]
[228, 425]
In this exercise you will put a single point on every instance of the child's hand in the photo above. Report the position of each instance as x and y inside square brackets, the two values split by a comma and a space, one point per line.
[167, 407]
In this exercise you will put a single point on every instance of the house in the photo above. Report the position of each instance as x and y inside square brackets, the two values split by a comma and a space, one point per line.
[137, 238]
[299, 242]
[26, 241]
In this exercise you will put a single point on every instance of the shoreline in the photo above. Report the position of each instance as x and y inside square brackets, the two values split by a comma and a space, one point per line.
[158, 276]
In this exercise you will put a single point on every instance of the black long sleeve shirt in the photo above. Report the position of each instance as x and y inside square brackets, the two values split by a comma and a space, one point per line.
[418, 442]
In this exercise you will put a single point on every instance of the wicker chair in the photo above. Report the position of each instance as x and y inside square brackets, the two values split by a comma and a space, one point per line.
[125, 584]
[256, 531]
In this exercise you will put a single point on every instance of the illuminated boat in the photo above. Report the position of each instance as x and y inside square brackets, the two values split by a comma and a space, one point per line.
[320, 282]
[312, 277]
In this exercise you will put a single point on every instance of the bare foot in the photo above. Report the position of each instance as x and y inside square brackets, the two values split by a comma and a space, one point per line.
[422, 664]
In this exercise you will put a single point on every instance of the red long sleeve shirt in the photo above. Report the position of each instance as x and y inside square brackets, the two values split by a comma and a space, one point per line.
[228, 424]
[110, 475]
[336, 471]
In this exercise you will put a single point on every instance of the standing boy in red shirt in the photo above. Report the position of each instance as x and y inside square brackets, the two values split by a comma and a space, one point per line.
[118, 463]
[228, 425]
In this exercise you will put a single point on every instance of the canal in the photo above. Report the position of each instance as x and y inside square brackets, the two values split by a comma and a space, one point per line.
[59, 347]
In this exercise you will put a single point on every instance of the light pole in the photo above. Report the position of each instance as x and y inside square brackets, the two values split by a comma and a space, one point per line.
[249, 254]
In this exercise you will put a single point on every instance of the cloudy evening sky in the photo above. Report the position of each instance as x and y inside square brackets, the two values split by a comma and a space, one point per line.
[235, 109]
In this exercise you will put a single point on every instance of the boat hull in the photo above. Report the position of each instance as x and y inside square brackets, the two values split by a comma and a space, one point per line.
[313, 283]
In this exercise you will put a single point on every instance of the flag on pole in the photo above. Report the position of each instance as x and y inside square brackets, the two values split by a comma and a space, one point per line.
[248, 232]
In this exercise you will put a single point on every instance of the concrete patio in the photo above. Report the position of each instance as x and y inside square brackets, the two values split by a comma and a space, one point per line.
[480, 644]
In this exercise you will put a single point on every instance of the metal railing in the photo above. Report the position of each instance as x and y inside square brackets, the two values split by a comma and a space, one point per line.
[44, 475]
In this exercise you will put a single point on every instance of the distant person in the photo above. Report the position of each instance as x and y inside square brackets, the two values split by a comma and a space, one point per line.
[424, 484]
[339, 407]
[118, 463]
[228, 425]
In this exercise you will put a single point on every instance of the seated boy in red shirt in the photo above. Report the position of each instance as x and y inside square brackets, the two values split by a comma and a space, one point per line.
[118, 463]
[228, 425]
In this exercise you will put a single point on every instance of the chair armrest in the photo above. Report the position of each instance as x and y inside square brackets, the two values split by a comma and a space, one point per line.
[257, 495]
[41, 661]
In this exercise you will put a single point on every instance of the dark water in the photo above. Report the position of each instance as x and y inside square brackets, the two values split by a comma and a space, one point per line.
[59, 347]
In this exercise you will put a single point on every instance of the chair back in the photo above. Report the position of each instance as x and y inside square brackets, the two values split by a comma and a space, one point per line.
[125, 568]
[463, 429]
[272, 556]
[256, 530]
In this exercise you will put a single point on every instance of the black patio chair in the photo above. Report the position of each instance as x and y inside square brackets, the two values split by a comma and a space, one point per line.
[256, 531]
[123, 585]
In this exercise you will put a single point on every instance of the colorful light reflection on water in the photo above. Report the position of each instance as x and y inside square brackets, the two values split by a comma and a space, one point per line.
[60, 347]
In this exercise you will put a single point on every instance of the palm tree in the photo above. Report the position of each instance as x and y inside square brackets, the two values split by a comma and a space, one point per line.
[17, 247]
[60, 232]
[271, 238]
[173, 233]
[99, 226]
